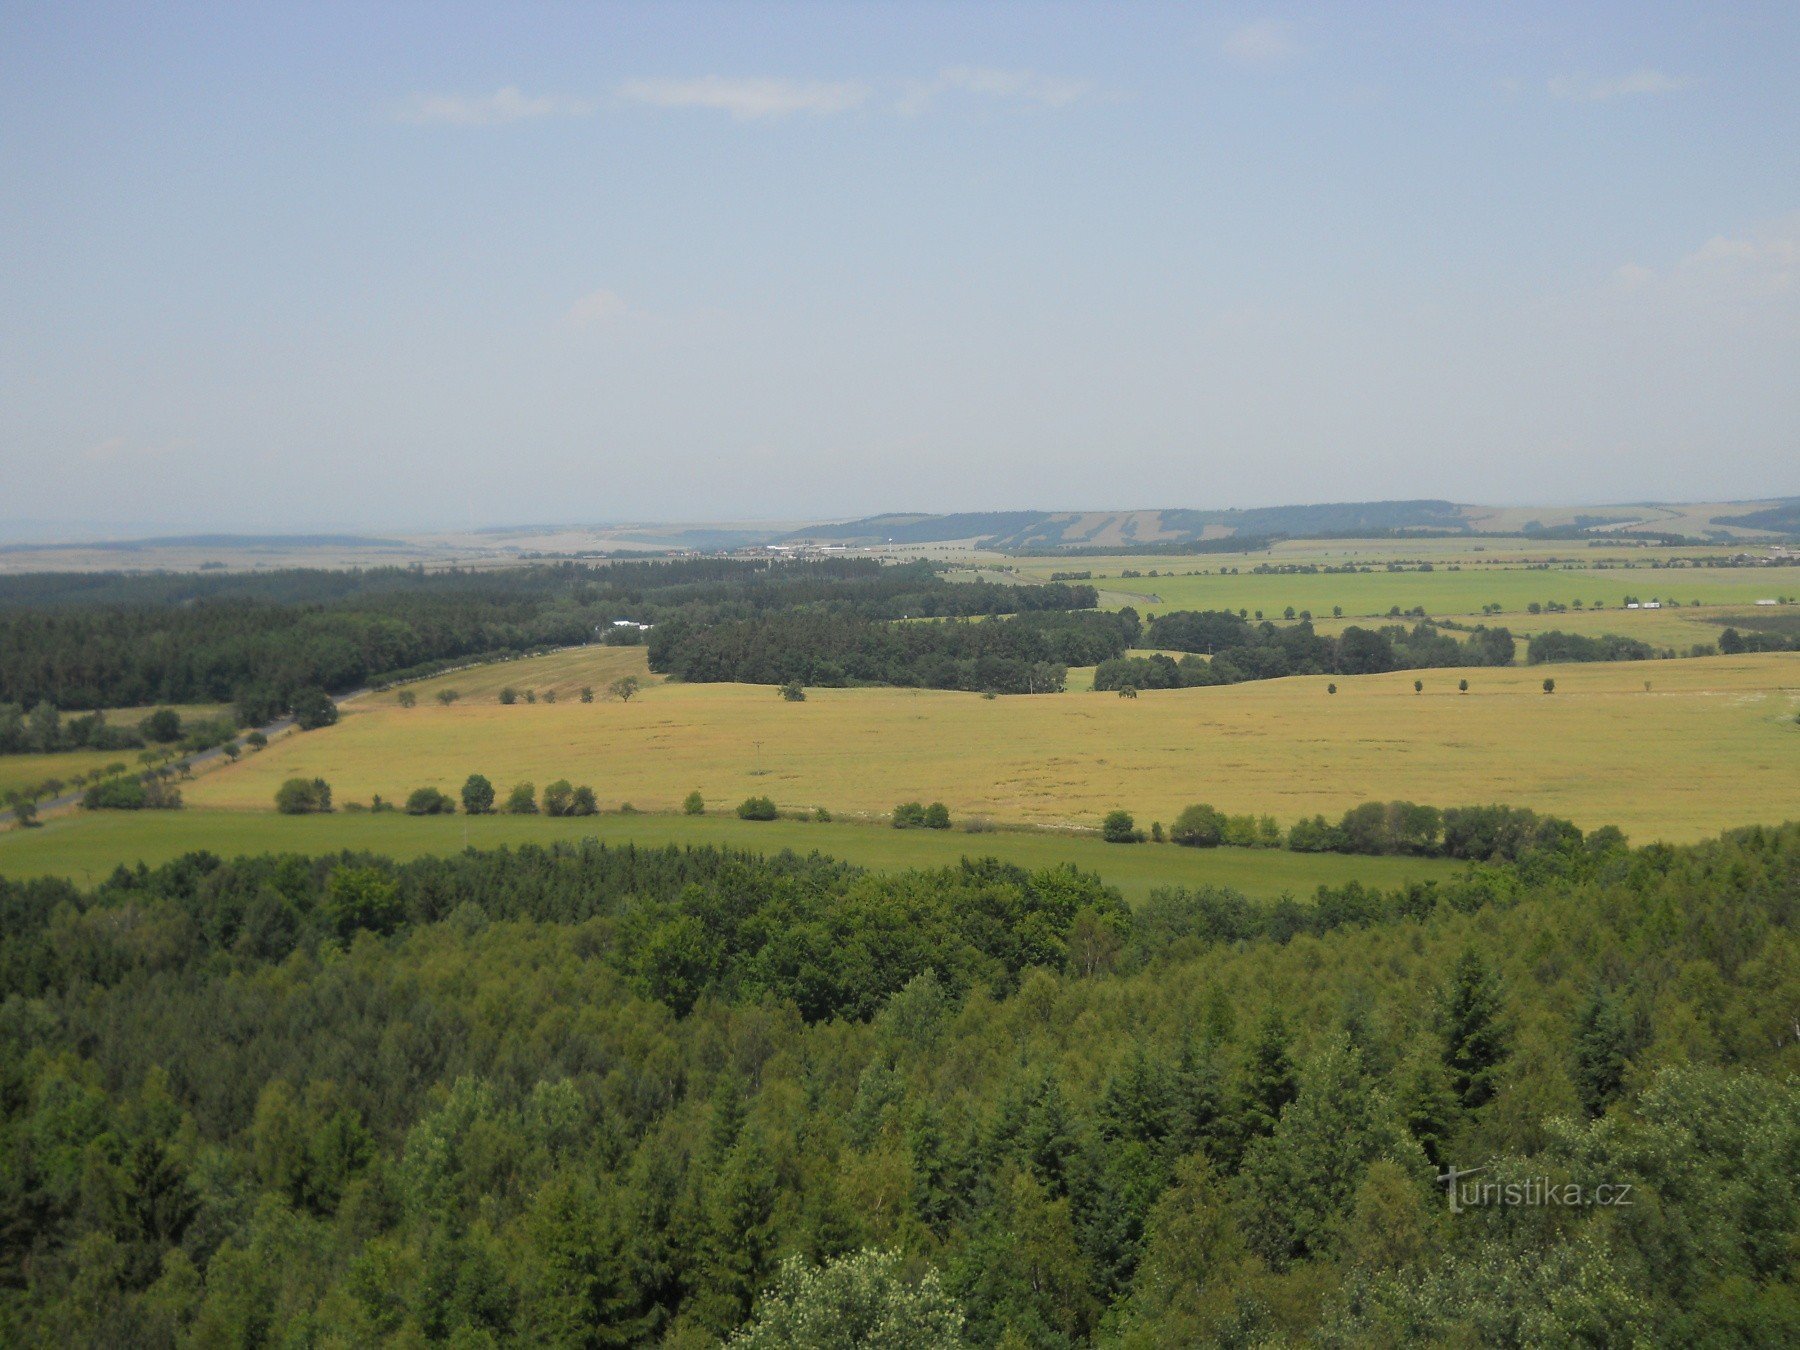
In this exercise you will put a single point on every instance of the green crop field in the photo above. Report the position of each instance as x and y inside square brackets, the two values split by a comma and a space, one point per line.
[1440, 592]
[88, 847]
[1711, 744]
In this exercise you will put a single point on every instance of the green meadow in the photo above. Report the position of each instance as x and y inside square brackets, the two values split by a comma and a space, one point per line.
[86, 848]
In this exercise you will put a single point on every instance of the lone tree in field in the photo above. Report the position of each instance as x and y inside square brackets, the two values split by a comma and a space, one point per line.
[1549, 686]
[1331, 689]
[557, 797]
[624, 688]
[406, 698]
[1128, 691]
[478, 795]
[757, 808]
[1462, 686]
[1418, 686]
[509, 696]
[1119, 828]
[794, 692]
[694, 804]
[428, 801]
[447, 696]
[1199, 826]
[587, 693]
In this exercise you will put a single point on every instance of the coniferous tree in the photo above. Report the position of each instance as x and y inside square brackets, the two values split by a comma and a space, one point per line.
[1475, 1039]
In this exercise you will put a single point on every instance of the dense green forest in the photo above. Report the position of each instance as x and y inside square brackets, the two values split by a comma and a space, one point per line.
[97, 640]
[1028, 654]
[585, 1096]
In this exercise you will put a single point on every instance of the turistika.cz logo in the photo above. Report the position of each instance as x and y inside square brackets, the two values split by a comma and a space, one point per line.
[1464, 1194]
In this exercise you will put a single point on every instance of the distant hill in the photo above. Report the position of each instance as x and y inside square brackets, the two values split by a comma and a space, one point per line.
[1120, 531]
[228, 541]
[1783, 517]
[1070, 529]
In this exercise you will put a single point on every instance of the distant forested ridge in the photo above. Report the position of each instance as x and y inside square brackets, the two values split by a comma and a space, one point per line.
[1026, 654]
[1239, 650]
[599, 1096]
[87, 640]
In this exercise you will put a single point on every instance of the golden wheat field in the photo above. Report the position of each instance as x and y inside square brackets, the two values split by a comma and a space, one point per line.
[1668, 749]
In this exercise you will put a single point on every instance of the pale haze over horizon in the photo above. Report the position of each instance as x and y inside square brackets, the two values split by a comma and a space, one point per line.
[421, 266]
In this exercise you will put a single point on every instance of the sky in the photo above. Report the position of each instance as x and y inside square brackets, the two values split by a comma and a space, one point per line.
[393, 266]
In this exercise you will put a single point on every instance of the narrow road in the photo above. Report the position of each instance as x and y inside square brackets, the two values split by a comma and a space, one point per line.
[272, 730]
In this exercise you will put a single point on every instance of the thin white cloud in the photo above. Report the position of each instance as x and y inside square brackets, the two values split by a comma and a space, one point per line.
[1581, 89]
[748, 99]
[1266, 42]
[1763, 261]
[1021, 86]
[597, 307]
[495, 109]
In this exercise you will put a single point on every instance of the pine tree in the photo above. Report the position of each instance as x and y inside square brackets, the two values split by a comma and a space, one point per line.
[1270, 1082]
[1475, 1040]
[1602, 1048]
[1428, 1108]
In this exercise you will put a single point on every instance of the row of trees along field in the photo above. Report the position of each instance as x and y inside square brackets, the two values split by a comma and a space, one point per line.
[1028, 654]
[600, 1096]
[79, 640]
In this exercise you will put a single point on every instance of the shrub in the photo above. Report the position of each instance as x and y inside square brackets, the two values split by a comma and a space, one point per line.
[583, 803]
[1317, 835]
[509, 696]
[937, 816]
[757, 808]
[793, 692]
[557, 797]
[909, 816]
[447, 696]
[161, 726]
[587, 693]
[313, 708]
[1549, 686]
[694, 804]
[303, 797]
[428, 801]
[407, 698]
[1119, 828]
[118, 794]
[522, 800]
[1199, 826]
[256, 740]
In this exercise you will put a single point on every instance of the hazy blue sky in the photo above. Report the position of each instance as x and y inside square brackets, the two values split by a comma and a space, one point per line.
[391, 265]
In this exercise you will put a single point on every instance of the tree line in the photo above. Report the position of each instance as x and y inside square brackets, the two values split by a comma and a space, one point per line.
[1238, 650]
[1026, 654]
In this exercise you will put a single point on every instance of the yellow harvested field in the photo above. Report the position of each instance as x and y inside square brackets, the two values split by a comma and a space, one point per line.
[1711, 744]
